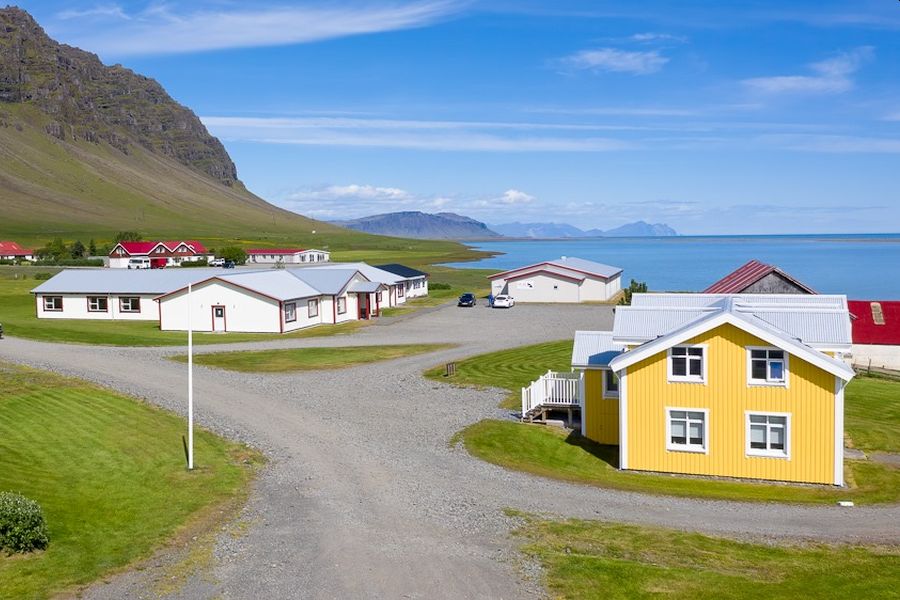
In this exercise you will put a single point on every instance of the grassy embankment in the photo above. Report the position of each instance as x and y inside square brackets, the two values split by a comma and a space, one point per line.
[109, 472]
[308, 359]
[589, 559]
[872, 421]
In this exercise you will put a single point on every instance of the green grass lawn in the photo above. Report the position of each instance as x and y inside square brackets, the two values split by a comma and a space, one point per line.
[18, 318]
[307, 359]
[110, 474]
[555, 453]
[585, 560]
[872, 421]
[511, 369]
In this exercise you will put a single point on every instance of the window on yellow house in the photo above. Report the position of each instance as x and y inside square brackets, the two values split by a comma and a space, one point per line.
[768, 366]
[687, 363]
[768, 434]
[686, 430]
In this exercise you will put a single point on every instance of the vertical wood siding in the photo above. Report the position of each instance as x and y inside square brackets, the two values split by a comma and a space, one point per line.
[601, 414]
[809, 399]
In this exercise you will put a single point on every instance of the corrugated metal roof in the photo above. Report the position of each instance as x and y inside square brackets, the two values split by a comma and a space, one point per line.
[371, 273]
[876, 322]
[570, 264]
[124, 281]
[548, 268]
[402, 270]
[276, 284]
[594, 349]
[821, 320]
[365, 287]
[328, 281]
[748, 274]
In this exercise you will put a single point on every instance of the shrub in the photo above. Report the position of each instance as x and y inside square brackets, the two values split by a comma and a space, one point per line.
[203, 262]
[43, 276]
[70, 262]
[22, 525]
[439, 286]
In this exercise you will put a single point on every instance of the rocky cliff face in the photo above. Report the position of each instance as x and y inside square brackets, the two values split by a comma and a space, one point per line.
[87, 100]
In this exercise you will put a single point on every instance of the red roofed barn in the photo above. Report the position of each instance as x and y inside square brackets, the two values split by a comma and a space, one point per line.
[13, 251]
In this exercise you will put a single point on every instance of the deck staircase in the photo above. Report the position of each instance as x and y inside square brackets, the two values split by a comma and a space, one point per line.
[552, 391]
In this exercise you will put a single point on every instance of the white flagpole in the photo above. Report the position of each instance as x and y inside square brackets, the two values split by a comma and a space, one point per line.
[190, 384]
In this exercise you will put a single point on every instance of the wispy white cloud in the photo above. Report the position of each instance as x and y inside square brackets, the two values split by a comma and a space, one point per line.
[166, 29]
[616, 61]
[838, 144]
[833, 75]
[651, 37]
[513, 197]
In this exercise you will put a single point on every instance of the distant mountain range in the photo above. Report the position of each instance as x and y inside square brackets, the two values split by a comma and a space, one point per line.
[415, 224]
[562, 230]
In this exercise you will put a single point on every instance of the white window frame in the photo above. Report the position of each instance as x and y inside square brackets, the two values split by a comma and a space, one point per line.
[290, 312]
[130, 300]
[699, 449]
[607, 393]
[767, 382]
[767, 453]
[688, 378]
[91, 299]
[312, 308]
[342, 305]
[54, 298]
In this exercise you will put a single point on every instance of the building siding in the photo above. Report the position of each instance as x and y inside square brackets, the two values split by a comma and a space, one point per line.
[601, 415]
[809, 399]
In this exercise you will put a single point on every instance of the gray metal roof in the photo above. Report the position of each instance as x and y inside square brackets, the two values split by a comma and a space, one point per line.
[371, 273]
[124, 281]
[549, 268]
[328, 281]
[821, 320]
[568, 264]
[594, 349]
[365, 287]
[277, 284]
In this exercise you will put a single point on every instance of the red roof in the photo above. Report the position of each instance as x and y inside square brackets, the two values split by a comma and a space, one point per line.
[275, 250]
[745, 276]
[140, 248]
[14, 249]
[865, 328]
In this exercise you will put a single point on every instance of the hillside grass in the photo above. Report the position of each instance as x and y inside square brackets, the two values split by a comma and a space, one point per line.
[872, 422]
[109, 472]
[307, 359]
[587, 560]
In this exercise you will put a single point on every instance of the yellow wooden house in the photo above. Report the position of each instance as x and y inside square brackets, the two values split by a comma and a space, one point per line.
[748, 386]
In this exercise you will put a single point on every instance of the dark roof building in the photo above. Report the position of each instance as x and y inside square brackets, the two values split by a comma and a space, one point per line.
[875, 322]
[402, 270]
[756, 277]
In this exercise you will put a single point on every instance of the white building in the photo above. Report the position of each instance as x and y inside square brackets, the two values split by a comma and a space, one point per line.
[13, 251]
[394, 292]
[264, 301]
[160, 254]
[563, 280]
[286, 256]
[415, 281]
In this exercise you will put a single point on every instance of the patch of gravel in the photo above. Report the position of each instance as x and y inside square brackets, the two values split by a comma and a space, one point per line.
[364, 496]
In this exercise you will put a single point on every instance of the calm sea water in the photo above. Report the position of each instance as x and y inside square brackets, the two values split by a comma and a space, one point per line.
[862, 266]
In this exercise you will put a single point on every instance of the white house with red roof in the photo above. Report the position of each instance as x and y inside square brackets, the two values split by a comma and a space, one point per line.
[287, 256]
[160, 254]
[566, 279]
[13, 251]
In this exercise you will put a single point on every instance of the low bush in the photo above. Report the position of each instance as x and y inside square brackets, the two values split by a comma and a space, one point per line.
[439, 286]
[195, 263]
[22, 524]
[43, 276]
[71, 262]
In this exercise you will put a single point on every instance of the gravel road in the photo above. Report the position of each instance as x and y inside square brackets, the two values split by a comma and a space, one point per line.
[364, 498]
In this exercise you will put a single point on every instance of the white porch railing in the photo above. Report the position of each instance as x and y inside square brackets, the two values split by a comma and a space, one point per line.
[552, 389]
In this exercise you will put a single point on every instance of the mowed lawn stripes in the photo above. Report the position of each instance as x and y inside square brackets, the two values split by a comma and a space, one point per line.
[109, 472]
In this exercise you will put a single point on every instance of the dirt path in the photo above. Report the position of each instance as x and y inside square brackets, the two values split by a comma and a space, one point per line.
[364, 497]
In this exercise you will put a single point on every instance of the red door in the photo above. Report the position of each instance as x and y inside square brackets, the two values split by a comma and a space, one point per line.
[158, 263]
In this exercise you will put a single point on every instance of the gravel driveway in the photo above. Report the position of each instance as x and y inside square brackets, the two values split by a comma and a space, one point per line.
[364, 498]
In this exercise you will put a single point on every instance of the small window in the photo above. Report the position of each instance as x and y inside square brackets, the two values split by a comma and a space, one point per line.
[686, 430]
[401, 289]
[98, 304]
[378, 297]
[341, 305]
[768, 366]
[687, 363]
[130, 304]
[768, 434]
[53, 303]
[290, 312]
[611, 383]
[312, 308]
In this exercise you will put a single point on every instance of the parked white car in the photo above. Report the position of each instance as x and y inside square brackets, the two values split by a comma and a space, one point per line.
[217, 262]
[504, 301]
[138, 263]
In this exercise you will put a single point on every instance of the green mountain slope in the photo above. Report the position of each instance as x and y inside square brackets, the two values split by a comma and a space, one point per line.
[87, 150]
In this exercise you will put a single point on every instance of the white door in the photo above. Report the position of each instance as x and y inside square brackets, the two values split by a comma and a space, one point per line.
[218, 318]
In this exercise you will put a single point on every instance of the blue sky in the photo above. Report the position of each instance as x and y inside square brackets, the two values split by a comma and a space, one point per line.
[713, 117]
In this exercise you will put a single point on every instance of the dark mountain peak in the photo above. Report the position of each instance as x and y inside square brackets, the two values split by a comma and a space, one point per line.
[417, 224]
[83, 99]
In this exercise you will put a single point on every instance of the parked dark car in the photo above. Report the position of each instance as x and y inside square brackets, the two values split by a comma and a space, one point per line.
[228, 264]
[466, 299]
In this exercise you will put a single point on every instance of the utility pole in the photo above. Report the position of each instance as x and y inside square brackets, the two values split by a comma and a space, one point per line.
[190, 382]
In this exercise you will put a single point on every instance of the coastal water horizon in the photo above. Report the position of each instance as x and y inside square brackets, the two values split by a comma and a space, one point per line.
[862, 266]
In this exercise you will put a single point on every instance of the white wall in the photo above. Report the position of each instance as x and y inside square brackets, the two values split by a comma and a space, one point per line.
[324, 314]
[75, 306]
[413, 292]
[245, 311]
[543, 288]
[882, 356]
